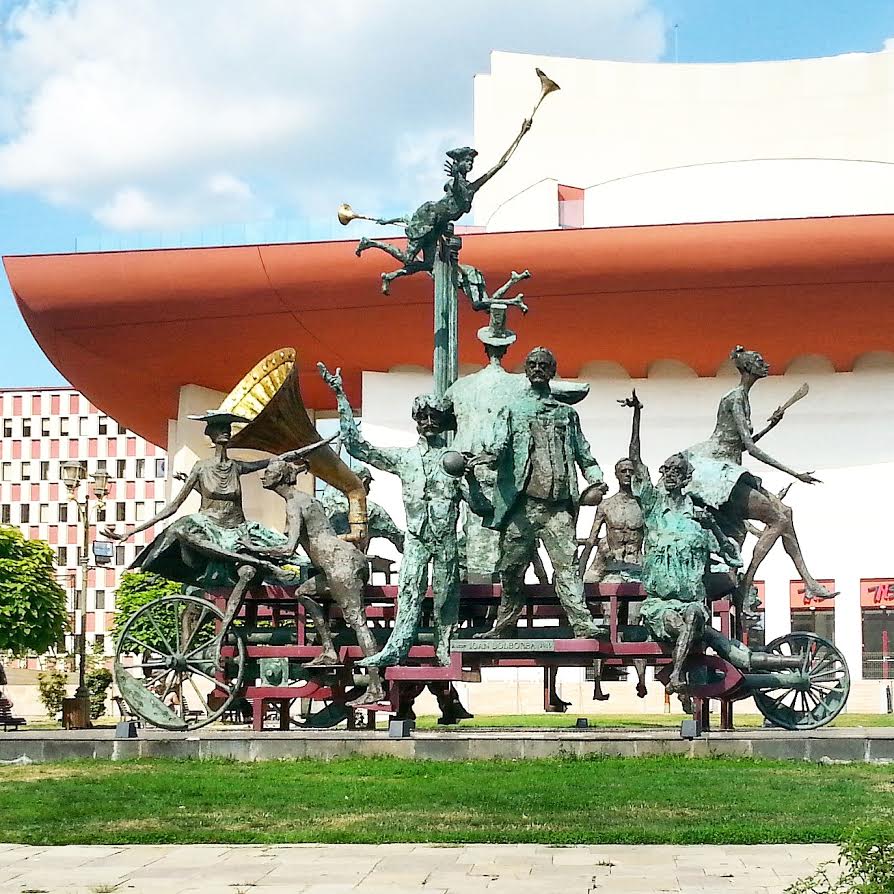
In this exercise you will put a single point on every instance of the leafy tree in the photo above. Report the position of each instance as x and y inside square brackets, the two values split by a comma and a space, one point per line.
[139, 588]
[32, 603]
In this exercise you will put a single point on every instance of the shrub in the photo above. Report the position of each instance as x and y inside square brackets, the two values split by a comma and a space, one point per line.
[51, 685]
[866, 864]
[98, 681]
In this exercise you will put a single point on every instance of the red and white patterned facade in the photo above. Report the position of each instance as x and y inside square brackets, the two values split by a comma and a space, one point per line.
[41, 428]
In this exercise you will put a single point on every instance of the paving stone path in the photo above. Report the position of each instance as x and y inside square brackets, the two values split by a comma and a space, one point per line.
[406, 868]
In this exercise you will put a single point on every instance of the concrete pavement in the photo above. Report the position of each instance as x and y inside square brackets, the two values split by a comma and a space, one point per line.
[407, 869]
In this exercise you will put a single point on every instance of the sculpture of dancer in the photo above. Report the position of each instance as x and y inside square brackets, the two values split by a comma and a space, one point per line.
[474, 286]
[721, 482]
[206, 548]
[620, 552]
[431, 501]
[380, 523]
[682, 544]
[432, 221]
[535, 496]
[344, 568]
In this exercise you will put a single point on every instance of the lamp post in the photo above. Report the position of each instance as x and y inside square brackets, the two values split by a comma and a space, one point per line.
[73, 473]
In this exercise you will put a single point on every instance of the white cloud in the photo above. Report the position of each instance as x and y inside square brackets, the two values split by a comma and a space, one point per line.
[156, 114]
[888, 45]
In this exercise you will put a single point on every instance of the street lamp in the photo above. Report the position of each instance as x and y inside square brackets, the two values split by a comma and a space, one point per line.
[73, 473]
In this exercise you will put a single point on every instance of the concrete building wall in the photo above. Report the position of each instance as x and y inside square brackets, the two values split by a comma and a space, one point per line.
[662, 143]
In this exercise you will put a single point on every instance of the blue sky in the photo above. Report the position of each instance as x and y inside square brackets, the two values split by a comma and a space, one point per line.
[140, 124]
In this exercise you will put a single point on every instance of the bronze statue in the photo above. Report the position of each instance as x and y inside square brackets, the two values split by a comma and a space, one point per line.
[680, 539]
[619, 554]
[721, 482]
[538, 449]
[380, 523]
[431, 501]
[343, 567]
[432, 221]
[207, 548]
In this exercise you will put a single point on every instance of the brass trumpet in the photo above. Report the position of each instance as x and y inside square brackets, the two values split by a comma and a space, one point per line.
[346, 214]
[547, 86]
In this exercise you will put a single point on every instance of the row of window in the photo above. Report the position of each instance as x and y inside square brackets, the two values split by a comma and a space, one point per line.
[44, 514]
[51, 470]
[23, 427]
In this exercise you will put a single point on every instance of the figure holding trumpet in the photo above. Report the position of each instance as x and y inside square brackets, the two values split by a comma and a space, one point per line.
[432, 221]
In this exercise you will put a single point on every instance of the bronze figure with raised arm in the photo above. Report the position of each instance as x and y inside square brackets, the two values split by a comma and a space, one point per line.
[721, 482]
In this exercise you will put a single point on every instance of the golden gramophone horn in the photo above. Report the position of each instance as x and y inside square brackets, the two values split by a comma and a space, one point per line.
[346, 214]
[269, 396]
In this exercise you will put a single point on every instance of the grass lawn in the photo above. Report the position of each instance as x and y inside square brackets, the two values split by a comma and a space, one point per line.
[566, 801]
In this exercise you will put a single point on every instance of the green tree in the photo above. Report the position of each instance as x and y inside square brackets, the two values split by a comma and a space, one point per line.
[32, 603]
[139, 588]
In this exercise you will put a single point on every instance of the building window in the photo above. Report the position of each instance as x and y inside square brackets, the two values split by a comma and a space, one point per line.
[119, 511]
[44, 471]
[7, 428]
[43, 513]
[141, 468]
[82, 425]
[63, 512]
[119, 555]
[101, 464]
[822, 623]
[26, 471]
[24, 513]
[99, 642]
[103, 425]
[141, 511]
[100, 600]
[63, 427]
[26, 428]
[121, 429]
[159, 468]
[101, 513]
[45, 427]
[159, 505]
[6, 471]
[61, 556]
[119, 469]
[5, 514]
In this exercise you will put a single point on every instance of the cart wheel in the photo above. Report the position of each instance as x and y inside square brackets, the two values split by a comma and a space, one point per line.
[822, 700]
[175, 683]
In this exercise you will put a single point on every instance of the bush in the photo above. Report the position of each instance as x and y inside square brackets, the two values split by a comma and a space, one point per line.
[98, 681]
[866, 864]
[51, 686]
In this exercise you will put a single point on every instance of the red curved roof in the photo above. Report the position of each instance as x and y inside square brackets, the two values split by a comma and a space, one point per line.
[129, 328]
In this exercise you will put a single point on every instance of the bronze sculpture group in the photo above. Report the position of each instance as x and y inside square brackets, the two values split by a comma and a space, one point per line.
[494, 476]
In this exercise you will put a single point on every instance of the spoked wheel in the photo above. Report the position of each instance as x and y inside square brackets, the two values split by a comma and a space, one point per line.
[175, 682]
[819, 699]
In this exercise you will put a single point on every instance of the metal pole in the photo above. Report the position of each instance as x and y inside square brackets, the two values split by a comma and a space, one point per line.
[446, 355]
[84, 518]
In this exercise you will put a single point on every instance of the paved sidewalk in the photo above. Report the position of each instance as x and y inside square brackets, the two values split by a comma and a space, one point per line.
[406, 868]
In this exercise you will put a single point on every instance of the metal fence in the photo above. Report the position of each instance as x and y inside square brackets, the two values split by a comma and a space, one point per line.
[878, 666]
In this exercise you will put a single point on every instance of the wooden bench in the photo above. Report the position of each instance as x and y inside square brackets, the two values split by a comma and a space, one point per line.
[7, 718]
